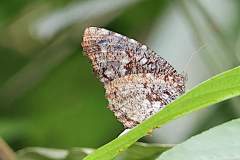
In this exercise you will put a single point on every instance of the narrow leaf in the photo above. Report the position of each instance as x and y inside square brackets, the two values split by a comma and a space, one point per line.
[214, 90]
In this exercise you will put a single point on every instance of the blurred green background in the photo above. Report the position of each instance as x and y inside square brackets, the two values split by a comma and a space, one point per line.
[49, 96]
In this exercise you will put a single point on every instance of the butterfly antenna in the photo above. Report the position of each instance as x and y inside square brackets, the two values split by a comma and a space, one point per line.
[191, 57]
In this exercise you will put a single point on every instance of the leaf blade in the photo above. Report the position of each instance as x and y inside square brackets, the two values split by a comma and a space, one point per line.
[218, 143]
[221, 87]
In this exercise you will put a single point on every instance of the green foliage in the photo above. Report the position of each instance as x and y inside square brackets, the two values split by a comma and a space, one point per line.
[214, 90]
[218, 143]
[37, 153]
[215, 143]
[143, 151]
[50, 98]
[138, 151]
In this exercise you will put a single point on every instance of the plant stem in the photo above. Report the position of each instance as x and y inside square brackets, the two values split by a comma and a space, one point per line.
[6, 153]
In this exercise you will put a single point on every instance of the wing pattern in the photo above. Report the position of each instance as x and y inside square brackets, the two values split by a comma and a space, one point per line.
[138, 82]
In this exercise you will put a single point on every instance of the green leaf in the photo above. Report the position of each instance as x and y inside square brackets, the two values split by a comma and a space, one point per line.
[38, 153]
[219, 143]
[138, 151]
[214, 90]
[143, 151]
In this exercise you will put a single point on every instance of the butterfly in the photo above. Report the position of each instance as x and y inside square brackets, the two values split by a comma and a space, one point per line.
[138, 82]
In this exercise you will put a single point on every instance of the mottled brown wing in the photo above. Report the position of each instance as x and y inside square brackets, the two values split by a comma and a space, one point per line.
[134, 98]
[138, 82]
[114, 55]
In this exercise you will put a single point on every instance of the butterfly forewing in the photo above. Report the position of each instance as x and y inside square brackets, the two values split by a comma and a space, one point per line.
[114, 55]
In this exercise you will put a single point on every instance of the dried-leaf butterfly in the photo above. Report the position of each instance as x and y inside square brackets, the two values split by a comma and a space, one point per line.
[138, 82]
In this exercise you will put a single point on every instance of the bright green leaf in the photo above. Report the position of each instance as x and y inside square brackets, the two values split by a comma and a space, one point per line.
[219, 143]
[214, 90]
